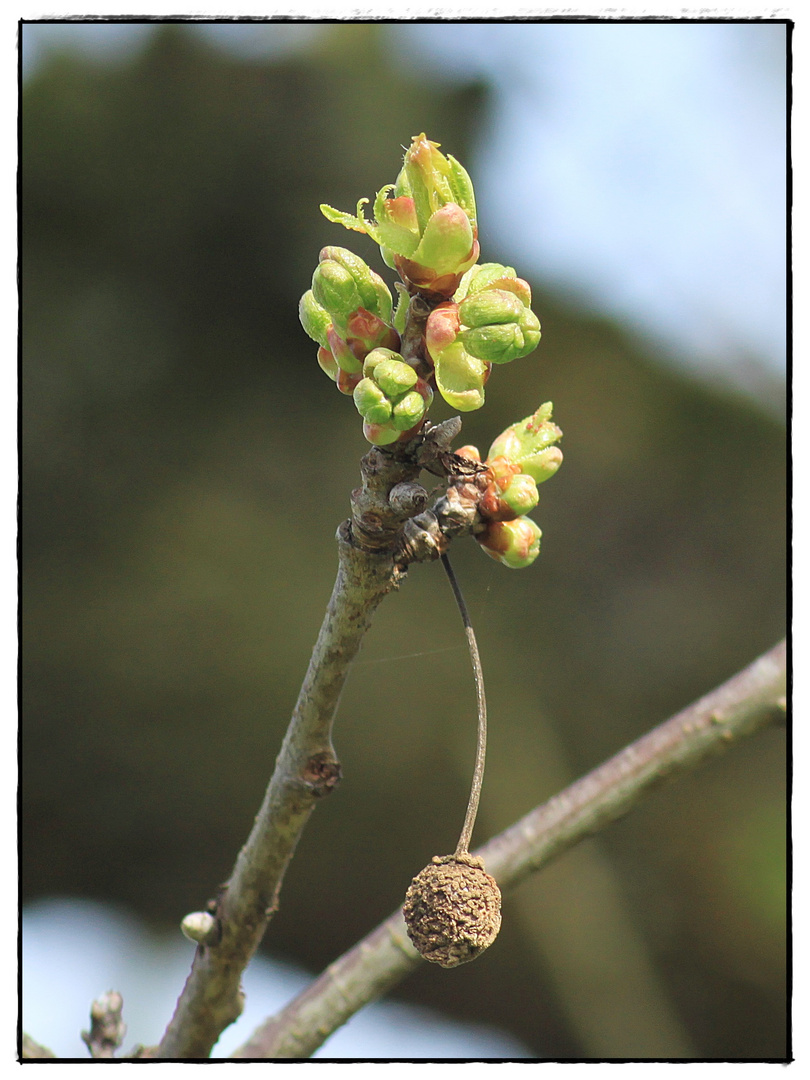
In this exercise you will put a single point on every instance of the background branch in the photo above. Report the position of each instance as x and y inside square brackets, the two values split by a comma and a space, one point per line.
[747, 703]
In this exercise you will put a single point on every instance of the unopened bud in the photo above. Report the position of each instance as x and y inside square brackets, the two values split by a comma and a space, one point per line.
[201, 927]
[490, 306]
[520, 495]
[527, 442]
[334, 288]
[408, 411]
[371, 402]
[315, 319]
[395, 377]
[375, 296]
[516, 543]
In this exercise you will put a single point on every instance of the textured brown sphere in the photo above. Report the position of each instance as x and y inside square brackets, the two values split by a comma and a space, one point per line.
[453, 909]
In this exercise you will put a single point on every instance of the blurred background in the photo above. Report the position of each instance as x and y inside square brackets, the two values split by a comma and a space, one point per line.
[185, 464]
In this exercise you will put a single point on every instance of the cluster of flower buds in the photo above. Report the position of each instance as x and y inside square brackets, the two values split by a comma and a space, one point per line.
[425, 223]
[348, 311]
[390, 397]
[479, 315]
[488, 321]
[521, 457]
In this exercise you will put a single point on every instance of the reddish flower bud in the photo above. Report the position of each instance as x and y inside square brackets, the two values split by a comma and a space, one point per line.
[516, 543]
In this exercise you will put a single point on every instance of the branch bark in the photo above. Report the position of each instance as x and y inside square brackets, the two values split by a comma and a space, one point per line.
[372, 564]
[306, 770]
[750, 701]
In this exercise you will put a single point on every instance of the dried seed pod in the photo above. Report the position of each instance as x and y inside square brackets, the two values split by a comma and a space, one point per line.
[453, 909]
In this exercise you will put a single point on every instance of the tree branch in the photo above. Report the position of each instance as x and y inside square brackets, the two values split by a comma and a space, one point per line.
[306, 770]
[372, 563]
[32, 1049]
[750, 701]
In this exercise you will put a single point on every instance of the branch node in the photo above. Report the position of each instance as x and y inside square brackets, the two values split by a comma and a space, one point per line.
[322, 774]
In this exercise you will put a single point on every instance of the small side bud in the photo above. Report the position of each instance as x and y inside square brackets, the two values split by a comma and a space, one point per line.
[200, 927]
[520, 495]
[516, 543]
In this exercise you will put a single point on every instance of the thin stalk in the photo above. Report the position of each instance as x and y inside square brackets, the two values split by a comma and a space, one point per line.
[463, 846]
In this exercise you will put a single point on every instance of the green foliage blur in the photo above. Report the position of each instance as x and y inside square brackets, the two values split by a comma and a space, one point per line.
[185, 464]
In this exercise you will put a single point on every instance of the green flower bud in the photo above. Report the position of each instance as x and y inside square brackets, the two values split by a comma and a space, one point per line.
[375, 296]
[377, 356]
[391, 397]
[526, 444]
[514, 543]
[520, 494]
[395, 377]
[481, 277]
[335, 289]
[315, 319]
[408, 411]
[488, 307]
[500, 343]
[371, 402]
[499, 328]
